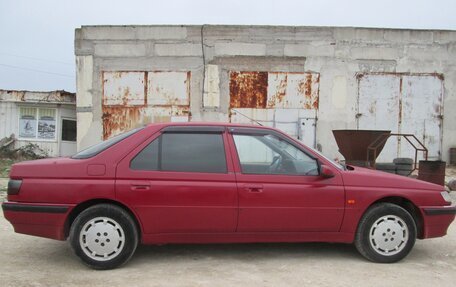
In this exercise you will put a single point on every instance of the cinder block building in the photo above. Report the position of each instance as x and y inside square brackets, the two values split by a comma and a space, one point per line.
[306, 81]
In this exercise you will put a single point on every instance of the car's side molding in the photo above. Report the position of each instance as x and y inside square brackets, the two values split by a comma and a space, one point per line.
[444, 210]
[9, 206]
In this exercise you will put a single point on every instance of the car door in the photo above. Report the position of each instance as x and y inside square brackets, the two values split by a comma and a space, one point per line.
[280, 189]
[181, 181]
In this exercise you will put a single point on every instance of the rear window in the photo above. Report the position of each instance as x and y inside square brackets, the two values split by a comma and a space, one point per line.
[184, 152]
[96, 149]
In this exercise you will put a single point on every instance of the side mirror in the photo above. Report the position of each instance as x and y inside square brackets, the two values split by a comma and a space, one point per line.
[326, 172]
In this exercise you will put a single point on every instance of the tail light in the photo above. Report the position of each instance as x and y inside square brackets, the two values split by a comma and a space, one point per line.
[14, 185]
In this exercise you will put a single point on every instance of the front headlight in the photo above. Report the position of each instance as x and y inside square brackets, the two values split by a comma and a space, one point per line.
[446, 196]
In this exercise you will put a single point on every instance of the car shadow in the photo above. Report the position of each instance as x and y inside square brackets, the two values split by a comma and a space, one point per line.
[231, 254]
[245, 252]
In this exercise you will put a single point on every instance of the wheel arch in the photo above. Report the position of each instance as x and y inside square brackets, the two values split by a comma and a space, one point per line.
[409, 206]
[86, 204]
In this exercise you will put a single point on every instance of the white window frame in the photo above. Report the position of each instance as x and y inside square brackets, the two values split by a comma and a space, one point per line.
[37, 114]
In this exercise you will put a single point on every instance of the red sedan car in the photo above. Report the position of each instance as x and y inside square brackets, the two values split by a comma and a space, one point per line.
[218, 183]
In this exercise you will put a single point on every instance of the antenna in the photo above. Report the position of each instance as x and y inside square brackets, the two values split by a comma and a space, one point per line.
[255, 121]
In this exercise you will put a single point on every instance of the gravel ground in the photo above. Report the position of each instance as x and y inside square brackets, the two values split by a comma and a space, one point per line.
[3, 186]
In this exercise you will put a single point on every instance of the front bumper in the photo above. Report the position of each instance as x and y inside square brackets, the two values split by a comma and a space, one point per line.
[437, 219]
[44, 220]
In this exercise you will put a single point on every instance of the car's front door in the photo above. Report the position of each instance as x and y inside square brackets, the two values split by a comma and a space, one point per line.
[181, 181]
[280, 189]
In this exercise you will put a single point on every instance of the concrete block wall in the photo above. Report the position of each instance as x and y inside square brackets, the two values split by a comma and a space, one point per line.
[338, 54]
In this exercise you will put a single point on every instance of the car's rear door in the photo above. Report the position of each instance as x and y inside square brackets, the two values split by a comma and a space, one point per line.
[285, 197]
[181, 181]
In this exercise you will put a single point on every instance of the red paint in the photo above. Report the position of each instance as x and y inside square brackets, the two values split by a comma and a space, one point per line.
[178, 207]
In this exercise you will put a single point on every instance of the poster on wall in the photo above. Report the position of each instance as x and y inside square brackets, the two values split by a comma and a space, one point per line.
[46, 128]
[27, 126]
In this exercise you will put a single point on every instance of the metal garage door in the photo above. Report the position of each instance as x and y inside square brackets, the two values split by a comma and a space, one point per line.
[132, 99]
[402, 103]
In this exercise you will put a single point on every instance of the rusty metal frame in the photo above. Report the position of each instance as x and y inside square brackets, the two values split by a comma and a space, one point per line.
[124, 116]
[381, 140]
[251, 89]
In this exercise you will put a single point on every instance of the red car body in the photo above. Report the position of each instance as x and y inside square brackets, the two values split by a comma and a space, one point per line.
[194, 207]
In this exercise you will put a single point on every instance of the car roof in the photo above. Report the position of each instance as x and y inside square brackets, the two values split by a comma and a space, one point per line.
[218, 124]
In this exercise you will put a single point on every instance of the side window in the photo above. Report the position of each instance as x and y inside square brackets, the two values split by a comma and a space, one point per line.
[185, 152]
[268, 154]
[252, 151]
[148, 158]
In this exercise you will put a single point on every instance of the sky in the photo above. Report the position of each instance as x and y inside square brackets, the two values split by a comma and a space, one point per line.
[37, 37]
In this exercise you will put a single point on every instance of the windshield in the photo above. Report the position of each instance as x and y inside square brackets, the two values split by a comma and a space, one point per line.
[96, 149]
[336, 164]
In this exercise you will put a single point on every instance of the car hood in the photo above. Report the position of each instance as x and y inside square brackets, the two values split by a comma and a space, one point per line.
[358, 176]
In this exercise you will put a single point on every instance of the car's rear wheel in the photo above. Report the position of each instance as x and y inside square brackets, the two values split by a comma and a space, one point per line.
[104, 236]
[386, 233]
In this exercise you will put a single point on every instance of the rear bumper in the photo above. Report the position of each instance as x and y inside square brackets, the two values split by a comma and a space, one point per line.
[44, 220]
[437, 219]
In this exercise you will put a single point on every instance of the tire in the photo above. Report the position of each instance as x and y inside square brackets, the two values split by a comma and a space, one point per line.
[104, 236]
[383, 228]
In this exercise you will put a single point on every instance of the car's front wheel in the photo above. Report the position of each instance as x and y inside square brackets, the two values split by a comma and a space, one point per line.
[104, 236]
[386, 233]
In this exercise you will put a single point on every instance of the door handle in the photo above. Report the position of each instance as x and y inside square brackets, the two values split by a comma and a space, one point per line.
[140, 186]
[253, 188]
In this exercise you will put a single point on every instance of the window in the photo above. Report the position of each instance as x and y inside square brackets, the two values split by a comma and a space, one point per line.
[269, 154]
[96, 149]
[37, 123]
[148, 158]
[185, 152]
[27, 123]
[68, 130]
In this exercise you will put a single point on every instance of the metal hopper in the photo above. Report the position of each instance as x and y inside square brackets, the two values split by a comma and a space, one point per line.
[353, 145]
